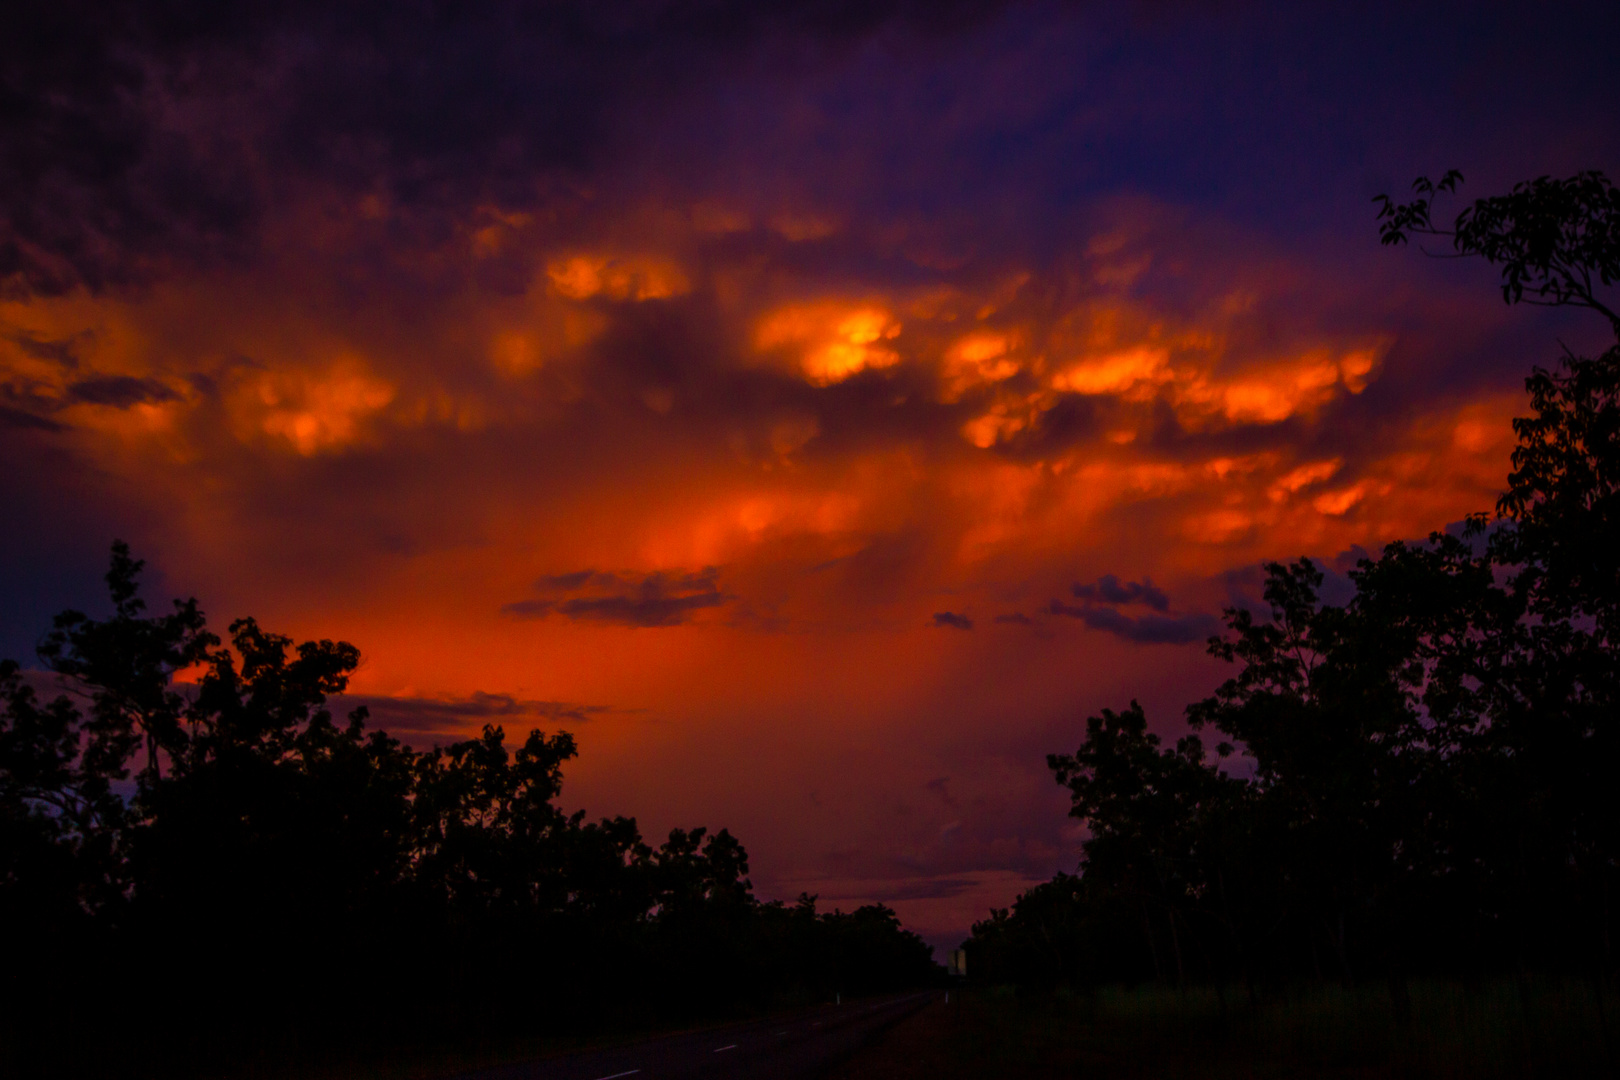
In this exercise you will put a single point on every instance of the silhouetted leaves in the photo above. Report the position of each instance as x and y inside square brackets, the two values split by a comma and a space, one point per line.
[1430, 766]
[1558, 240]
[267, 856]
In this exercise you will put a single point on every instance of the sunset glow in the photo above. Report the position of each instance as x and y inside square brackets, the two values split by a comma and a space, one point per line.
[687, 437]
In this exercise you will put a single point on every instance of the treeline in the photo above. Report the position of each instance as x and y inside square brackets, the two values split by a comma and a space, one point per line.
[1424, 780]
[220, 862]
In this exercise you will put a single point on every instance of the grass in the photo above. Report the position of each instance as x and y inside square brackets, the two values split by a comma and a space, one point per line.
[1478, 1031]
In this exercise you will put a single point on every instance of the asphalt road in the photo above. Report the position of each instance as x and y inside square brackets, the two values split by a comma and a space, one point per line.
[796, 1048]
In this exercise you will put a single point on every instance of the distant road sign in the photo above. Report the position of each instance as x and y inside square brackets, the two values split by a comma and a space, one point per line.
[958, 963]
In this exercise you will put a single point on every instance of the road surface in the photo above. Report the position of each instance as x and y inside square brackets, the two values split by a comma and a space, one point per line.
[797, 1048]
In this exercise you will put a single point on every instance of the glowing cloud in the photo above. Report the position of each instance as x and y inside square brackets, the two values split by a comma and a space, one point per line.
[633, 277]
[1121, 373]
[317, 413]
[979, 358]
[833, 340]
[1303, 477]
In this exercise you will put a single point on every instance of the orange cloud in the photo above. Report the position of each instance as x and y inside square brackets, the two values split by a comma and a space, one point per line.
[767, 536]
[833, 340]
[627, 277]
[316, 412]
[981, 357]
[1141, 367]
[1303, 477]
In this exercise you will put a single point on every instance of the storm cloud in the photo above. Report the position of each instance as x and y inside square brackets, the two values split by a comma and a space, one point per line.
[138, 135]
[685, 356]
[1108, 589]
[1142, 629]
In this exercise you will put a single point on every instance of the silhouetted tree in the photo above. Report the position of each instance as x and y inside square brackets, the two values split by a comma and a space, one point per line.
[270, 873]
[1432, 762]
[1558, 239]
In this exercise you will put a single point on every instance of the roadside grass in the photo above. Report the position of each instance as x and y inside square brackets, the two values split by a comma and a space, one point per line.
[1456, 1030]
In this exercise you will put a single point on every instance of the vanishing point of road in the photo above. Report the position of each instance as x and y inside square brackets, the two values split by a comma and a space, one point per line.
[801, 1047]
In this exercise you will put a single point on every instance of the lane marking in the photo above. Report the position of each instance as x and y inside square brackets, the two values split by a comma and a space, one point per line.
[781, 1033]
[733, 1046]
[615, 1076]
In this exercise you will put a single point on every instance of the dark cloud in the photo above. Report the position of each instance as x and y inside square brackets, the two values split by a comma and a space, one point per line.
[447, 713]
[1070, 419]
[17, 418]
[64, 353]
[1246, 585]
[443, 718]
[120, 391]
[27, 404]
[658, 599]
[939, 888]
[953, 620]
[1346, 560]
[1108, 589]
[926, 889]
[649, 607]
[136, 133]
[566, 582]
[1145, 629]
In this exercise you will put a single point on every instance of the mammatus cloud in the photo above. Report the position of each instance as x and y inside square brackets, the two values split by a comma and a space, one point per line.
[953, 620]
[662, 598]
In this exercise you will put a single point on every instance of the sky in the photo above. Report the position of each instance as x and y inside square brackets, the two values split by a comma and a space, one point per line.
[818, 408]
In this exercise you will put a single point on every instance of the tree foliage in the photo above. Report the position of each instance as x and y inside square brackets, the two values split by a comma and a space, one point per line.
[1419, 779]
[1557, 240]
[187, 830]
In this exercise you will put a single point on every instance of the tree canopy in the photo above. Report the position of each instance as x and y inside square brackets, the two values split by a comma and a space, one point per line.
[194, 852]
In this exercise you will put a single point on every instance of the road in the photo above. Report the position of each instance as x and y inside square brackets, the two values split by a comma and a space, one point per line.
[796, 1048]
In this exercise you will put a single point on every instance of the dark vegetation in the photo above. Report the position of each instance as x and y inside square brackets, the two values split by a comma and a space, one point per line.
[198, 865]
[1422, 782]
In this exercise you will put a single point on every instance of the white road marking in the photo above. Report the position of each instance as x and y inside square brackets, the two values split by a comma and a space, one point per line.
[733, 1046]
[781, 1033]
[615, 1076]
